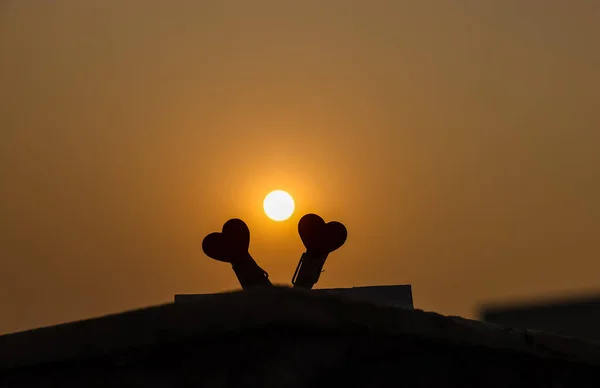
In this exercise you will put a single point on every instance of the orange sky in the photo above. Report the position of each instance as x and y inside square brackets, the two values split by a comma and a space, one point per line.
[458, 142]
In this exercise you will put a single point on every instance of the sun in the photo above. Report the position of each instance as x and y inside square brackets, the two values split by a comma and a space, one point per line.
[278, 205]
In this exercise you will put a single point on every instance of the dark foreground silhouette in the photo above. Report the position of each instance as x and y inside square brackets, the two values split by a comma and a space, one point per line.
[282, 337]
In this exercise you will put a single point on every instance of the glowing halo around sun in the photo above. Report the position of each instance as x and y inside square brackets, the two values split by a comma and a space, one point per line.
[278, 205]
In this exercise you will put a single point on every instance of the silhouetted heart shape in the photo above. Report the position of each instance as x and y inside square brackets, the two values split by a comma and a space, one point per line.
[320, 237]
[231, 244]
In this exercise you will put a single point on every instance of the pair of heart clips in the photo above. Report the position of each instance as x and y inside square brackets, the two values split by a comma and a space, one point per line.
[232, 243]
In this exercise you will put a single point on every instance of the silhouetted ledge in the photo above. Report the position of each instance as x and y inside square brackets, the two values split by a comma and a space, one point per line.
[577, 316]
[282, 337]
[390, 295]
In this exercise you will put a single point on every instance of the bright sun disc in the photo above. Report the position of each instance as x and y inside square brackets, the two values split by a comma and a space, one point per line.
[278, 205]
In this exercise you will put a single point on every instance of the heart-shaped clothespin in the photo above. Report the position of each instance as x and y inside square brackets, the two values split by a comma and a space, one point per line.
[320, 239]
[231, 246]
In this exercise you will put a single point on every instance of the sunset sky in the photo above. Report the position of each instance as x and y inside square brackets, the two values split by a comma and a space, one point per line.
[458, 141]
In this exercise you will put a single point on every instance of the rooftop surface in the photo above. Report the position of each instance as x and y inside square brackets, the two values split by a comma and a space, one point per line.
[227, 313]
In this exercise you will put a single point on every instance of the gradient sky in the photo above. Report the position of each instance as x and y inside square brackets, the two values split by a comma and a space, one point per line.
[459, 141]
